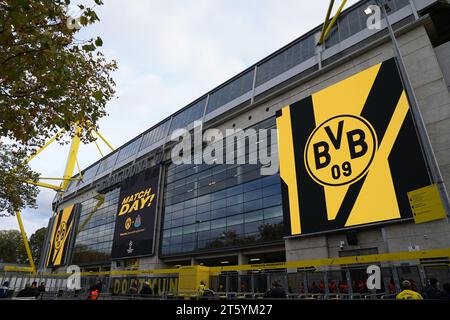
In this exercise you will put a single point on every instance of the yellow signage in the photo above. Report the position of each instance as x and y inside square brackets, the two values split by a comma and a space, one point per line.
[349, 154]
[62, 228]
[426, 204]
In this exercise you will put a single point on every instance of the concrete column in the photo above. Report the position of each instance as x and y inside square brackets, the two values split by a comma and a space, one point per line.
[242, 259]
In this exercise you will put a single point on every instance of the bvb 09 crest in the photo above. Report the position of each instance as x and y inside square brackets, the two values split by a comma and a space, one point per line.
[60, 235]
[340, 150]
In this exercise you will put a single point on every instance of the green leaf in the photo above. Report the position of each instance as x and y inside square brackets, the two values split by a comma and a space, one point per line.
[99, 42]
[88, 47]
[98, 95]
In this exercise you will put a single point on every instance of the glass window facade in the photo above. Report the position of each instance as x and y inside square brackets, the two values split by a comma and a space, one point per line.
[231, 91]
[155, 135]
[208, 207]
[285, 60]
[93, 244]
[186, 117]
[107, 163]
[128, 151]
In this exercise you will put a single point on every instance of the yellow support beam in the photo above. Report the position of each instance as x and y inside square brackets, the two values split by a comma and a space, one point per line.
[100, 200]
[56, 136]
[79, 170]
[49, 178]
[71, 159]
[18, 269]
[25, 242]
[98, 148]
[327, 18]
[325, 34]
[45, 185]
[104, 140]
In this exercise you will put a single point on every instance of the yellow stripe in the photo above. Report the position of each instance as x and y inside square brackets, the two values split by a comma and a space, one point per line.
[374, 258]
[287, 166]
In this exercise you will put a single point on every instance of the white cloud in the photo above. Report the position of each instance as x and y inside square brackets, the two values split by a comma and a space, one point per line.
[170, 53]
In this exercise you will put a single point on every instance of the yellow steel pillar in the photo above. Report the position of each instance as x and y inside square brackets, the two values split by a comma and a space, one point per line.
[72, 158]
[25, 242]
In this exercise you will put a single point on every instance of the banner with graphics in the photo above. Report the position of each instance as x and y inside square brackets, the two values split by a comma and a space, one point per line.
[349, 154]
[61, 236]
[135, 219]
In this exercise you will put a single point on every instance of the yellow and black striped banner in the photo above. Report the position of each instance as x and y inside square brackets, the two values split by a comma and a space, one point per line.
[349, 154]
[61, 235]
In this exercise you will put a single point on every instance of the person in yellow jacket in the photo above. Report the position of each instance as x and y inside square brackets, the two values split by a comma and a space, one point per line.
[201, 288]
[407, 293]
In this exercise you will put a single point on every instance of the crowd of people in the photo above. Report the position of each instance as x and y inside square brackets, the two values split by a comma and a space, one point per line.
[409, 290]
[431, 291]
[146, 290]
[30, 291]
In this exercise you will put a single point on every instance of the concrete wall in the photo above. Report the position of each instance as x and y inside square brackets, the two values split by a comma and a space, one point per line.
[443, 55]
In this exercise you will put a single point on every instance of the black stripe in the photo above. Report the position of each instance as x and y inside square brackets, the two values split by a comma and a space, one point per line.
[383, 98]
[312, 205]
[378, 110]
[408, 166]
[286, 211]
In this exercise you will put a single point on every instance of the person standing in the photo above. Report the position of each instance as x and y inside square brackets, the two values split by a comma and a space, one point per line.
[445, 294]
[276, 292]
[4, 289]
[93, 293]
[431, 291]
[408, 293]
[146, 290]
[201, 288]
[134, 288]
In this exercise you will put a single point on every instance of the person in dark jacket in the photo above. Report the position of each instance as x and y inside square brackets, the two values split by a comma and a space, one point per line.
[4, 290]
[41, 289]
[431, 291]
[146, 289]
[276, 292]
[99, 286]
[445, 294]
[27, 292]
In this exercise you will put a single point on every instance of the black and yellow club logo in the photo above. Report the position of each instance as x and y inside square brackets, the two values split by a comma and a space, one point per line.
[128, 223]
[60, 235]
[340, 150]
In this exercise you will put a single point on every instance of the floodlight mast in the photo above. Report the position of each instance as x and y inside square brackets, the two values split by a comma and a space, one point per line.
[67, 177]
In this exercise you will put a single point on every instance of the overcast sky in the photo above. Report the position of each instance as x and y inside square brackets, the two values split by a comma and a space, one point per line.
[169, 53]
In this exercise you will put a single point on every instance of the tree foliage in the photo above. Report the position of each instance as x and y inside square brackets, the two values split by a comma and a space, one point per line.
[37, 240]
[12, 249]
[14, 191]
[49, 80]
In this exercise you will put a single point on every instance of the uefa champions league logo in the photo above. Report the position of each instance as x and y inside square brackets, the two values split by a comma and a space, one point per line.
[130, 247]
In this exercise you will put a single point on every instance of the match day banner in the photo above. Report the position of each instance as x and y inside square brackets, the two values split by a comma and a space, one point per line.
[136, 216]
[349, 154]
[62, 235]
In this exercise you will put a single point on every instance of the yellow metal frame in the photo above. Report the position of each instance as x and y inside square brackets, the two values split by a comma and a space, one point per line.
[100, 200]
[67, 177]
[327, 25]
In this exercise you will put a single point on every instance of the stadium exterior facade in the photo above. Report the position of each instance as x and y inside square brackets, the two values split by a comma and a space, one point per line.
[217, 215]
